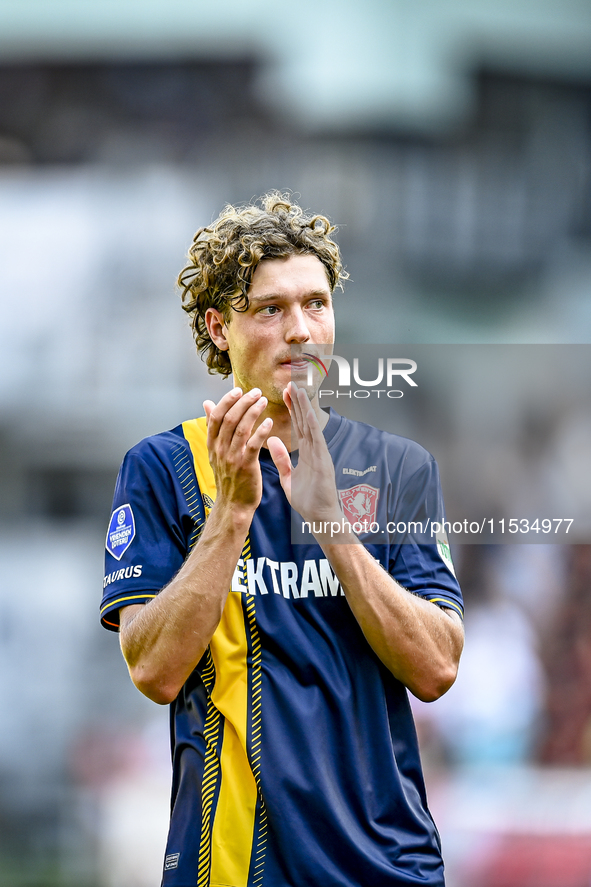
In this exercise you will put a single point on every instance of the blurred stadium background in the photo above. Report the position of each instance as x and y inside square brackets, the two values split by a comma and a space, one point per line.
[451, 142]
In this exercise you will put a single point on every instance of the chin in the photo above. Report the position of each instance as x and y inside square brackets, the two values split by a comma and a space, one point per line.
[274, 392]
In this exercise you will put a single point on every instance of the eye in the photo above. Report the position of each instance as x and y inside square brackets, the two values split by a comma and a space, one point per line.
[269, 310]
[316, 304]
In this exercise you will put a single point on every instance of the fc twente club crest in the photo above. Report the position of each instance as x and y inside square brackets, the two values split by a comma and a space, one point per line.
[360, 504]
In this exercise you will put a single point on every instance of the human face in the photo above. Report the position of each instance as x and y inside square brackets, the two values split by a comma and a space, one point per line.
[290, 305]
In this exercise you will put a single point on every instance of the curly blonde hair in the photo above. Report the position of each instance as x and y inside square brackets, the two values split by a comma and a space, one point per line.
[223, 258]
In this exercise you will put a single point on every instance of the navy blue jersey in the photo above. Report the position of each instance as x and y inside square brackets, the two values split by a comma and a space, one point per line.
[295, 759]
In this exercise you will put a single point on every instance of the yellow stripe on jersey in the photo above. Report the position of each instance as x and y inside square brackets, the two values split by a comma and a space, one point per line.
[233, 826]
[129, 597]
[195, 432]
[445, 602]
[228, 858]
[211, 774]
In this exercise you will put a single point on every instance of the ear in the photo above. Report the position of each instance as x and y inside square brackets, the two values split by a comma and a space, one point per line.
[216, 326]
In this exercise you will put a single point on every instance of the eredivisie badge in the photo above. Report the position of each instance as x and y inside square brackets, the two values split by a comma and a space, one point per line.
[121, 532]
[444, 551]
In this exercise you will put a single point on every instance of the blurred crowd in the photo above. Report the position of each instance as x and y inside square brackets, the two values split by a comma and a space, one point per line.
[524, 690]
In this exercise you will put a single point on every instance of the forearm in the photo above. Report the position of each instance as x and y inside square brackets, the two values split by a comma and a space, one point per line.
[163, 640]
[416, 640]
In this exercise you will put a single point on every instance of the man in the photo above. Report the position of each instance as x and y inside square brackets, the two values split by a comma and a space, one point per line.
[295, 759]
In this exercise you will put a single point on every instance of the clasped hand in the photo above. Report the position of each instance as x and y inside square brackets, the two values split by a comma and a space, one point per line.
[234, 448]
[310, 487]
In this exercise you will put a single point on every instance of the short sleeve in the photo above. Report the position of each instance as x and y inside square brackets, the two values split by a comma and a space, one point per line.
[147, 535]
[421, 560]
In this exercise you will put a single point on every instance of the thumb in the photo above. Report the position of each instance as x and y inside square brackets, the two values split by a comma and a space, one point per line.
[280, 457]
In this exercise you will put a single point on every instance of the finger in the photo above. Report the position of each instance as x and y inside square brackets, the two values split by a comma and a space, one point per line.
[216, 413]
[208, 406]
[280, 457]
[313, 425]
[233, 415]
[243, 430]
[305, 408]
[296, 412]
[287, 396]
[256, 441]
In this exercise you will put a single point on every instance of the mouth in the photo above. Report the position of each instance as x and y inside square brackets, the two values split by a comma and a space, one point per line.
[301, 362]
[296, 364]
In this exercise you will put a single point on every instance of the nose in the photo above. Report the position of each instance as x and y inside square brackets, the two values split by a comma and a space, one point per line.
[296, 330]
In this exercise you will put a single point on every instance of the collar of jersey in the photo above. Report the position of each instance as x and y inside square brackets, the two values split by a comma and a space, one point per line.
[330, 432]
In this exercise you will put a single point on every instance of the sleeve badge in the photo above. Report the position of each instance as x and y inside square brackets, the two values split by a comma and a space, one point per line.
[445, 553]
[121, 532]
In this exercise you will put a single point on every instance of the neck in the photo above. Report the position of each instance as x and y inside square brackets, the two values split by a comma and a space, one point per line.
[282, 425]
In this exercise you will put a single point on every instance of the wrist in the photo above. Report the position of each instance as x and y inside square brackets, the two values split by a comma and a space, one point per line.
[323, 516]
[231, 517]
[331, 527]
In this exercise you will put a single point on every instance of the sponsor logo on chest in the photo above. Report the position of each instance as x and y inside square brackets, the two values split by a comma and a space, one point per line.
[356, 473]
[263, 576]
